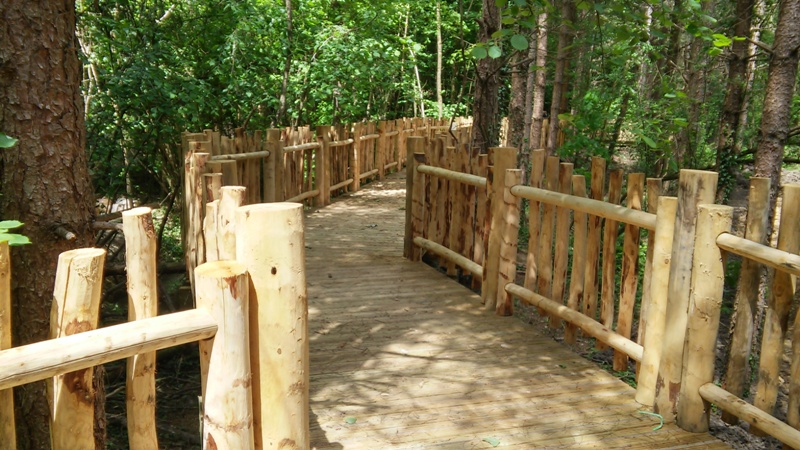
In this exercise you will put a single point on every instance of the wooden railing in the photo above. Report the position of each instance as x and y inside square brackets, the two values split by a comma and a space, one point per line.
[250, 393]
[294, 165]
[573, 236]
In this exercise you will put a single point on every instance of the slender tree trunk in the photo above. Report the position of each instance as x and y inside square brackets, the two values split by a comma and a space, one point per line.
[287, 65]
[774, 127]
[561, 78]
[755, 36]
[44, 179]
[529, 88]
[516, 108]
[539, 87]
[485, 120]
[439, 101]
[732, 107]
[420, 94]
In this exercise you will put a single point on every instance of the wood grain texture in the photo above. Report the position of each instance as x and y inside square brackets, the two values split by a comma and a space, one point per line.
[415, 361]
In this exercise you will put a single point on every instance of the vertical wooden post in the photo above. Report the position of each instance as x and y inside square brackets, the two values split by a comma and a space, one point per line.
[195, 245]
[212, 183]
[656, 320]
[222, 290]
[418, 201]
[534, 221]
[743, 327]
[547, 232]
[561, 256]
[77, 291]
[509, 232]
[380, 150]
[594, 229]
[140, 386]
[776, 318]
[708, 280]
[695, 187]
[352, 158]
[578, 258]
[414, 145]
[630, 269]
[323, 166]
[652, 195]
[609, 270]
[454, 218]
[504, 158]
[271, 164]
[482, 216]
[270, 243]
[8, 434]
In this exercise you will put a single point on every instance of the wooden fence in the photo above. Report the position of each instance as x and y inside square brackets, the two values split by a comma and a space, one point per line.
[243, 378]
[293, 165]
[466, 211]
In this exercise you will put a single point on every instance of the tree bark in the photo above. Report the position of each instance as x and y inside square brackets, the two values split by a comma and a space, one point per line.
[516, 108]
[439, 101]
[287, 65]
[781, 80]
[44, 180]
[539, 86]
[728, 130]
[485, 120]
[561, 78]
[529, 83]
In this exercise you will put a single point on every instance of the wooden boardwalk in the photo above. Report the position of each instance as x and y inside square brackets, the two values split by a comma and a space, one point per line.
[403, 357]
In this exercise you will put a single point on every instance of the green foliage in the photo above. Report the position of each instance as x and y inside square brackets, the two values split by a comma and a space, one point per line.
[12, 238]
[7, 141]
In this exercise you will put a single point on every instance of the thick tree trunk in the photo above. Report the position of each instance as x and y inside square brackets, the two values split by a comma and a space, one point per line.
[561, 77]
[774, 127]
[44, 179]
[439, 101]
[485, 120]
[539, 86]
[732, 107]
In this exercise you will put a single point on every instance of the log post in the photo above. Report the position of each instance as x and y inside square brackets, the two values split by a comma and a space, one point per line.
[413, 146]
[270, 243]
[695, 187]
[453, 240]
[654, 186]
[561, 241]
[140, 386]
[504, 158]
[544, 278]
[630, 268]
[222, 290]
[742, 326]
[482, 217]
[655, 319]
[352, 158]
[212, 183]
[609, 268]
[380, 151]
[594, 229]
[271, 164]
[509, 232]
[578, 258]
[8, 433]
[708, 280]
[779, 304]
[76, 308]
[323, 166]
[534, 220]
[195, 245]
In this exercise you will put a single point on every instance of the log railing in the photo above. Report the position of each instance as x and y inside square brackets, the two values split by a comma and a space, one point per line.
[243, 379]
[301, 165]
[573, 239]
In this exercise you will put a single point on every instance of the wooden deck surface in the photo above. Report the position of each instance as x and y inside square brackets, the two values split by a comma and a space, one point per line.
[411, 358]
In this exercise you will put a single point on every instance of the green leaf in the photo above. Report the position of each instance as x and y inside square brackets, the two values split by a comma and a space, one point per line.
[519, 42]
[6, 141]
[14, 239]
[494, 442]
[669, 95]
[720, 40]
[507, 21]
[714, 51]
[650, 143]
[478, 52]
[10, 224]
[350, 420]
[584, 6]
[495, 52]
[680, 121]
[500, 3]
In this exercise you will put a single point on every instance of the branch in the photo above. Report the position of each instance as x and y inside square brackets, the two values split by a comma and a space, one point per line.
[760, 45]
[65, 234]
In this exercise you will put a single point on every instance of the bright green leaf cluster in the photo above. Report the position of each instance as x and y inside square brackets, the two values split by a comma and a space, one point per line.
[12, 238]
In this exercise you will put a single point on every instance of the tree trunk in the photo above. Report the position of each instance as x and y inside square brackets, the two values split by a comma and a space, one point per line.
[287, 65]
[526, 134]
[439, 101]
[732, 107]
[44, 180]
[485, 121]
[539, 87]
[561, 77]
[774, 127]
[516, 108]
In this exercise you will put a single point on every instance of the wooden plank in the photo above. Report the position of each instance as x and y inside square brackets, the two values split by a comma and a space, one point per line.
[578, 258]
[590, 281]
[562, 238]
[610, 233]
[545, 266]
[534, 220]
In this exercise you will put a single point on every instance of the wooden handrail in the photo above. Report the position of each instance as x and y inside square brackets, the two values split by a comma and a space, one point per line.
[590, 206]
[45, 359]
[242, 156]
[764, 254]
[297, 148]
[472, 180]
[465, 263]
